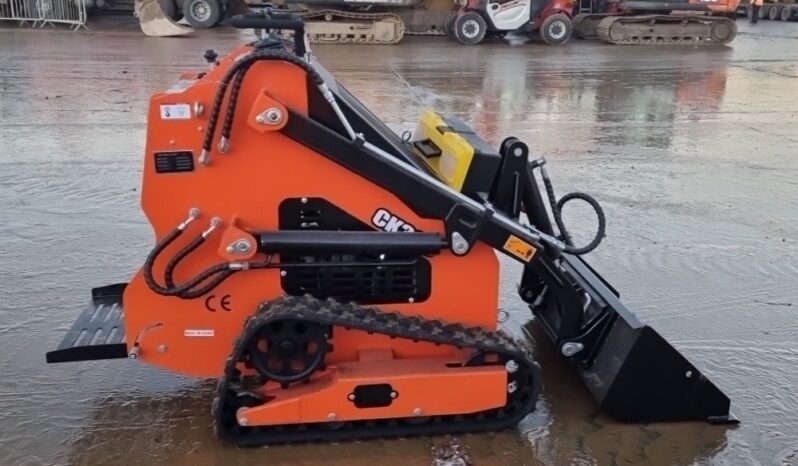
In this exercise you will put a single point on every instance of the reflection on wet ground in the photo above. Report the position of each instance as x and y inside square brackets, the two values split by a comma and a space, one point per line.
[691, 151]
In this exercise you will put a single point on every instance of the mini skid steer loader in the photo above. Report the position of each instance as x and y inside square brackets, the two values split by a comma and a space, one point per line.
[342, 282]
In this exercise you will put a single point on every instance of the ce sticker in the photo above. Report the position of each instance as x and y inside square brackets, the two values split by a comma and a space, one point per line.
[213, 304]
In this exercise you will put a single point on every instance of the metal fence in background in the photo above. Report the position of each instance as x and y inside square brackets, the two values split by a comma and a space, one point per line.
[39, 13]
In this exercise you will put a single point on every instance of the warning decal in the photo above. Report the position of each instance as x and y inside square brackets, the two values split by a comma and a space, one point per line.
[519, 248]
[175, 112]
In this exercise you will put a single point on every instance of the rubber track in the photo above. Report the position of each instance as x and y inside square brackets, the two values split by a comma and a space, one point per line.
[615, 21]
[308, 17]
[351, 316]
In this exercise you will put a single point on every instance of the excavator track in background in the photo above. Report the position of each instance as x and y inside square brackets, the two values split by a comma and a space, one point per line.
[346, 27]
[665, 30]
[234, 393]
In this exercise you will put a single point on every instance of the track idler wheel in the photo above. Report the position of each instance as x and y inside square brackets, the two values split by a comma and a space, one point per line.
[723, 32]
[288, 350]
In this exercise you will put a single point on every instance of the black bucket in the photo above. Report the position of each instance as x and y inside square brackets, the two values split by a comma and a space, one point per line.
[634, 374]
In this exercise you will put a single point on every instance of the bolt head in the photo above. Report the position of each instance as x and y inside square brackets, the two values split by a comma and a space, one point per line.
[304, 200]
[394, 395]
[162, 348]
[417, 412]
[230, 249]
[332, 416]
[688, 374]
[459, 244]
[511, 366]
[283, 273]
[351, 397]
[411, 300]
[242, 421]
[571, 348]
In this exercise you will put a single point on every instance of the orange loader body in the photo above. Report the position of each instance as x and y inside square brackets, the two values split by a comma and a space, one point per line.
[237, 181]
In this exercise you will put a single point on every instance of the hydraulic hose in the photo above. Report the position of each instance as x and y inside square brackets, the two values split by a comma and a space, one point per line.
[243, 66]
[170, 267]
[556, 210]
[223, 274]
[185, 290]
[227, 127]
[153, 255]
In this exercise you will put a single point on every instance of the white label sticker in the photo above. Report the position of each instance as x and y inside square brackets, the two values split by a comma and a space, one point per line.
[197, 332]
[175, 112]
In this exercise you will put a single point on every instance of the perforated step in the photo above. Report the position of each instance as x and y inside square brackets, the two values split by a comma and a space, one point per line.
[98, 332]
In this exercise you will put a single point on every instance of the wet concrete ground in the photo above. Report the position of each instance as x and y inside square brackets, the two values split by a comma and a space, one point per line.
[692, 152]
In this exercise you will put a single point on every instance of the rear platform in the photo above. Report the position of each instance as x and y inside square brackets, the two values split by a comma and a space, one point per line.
[98, 332]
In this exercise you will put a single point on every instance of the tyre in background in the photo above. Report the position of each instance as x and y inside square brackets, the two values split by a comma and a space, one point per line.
[202, 14]
[470, 28]
[556, 29]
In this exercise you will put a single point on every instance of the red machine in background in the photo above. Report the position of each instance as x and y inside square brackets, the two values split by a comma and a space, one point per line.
[657, 22]
[478, 18]
[628, 22]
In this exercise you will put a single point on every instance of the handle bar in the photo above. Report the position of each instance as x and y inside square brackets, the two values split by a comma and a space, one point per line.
[272, 20]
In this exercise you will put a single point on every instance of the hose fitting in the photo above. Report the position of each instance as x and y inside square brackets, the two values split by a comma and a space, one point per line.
[205, 157]
[216, 222]
[224, 145]
[193, 214]
[239, 265]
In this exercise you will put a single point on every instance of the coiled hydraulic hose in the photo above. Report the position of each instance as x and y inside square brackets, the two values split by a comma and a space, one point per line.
[171, 289]
[170, 267]
[241, 67]
[556, 210]
[187, 288]
[211, 277]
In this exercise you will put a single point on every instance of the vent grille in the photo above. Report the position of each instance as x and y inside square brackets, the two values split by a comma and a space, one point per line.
[366, 284]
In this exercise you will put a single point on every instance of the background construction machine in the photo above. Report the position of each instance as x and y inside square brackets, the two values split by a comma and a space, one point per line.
[159, 17]
[783, 10]
[551, 19]
[631, 22]
[370, 21]
[326, 21]
[651, 22]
